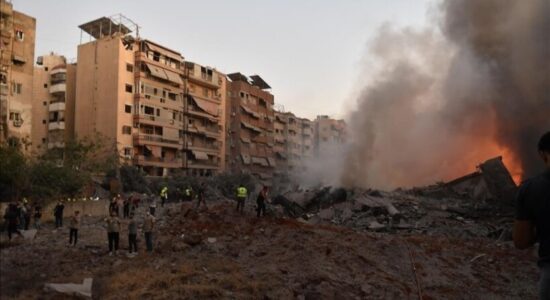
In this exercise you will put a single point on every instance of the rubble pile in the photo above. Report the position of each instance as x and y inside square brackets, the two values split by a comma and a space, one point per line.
[476, 205]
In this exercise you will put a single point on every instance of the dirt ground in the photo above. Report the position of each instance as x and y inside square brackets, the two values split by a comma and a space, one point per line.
[218, 253]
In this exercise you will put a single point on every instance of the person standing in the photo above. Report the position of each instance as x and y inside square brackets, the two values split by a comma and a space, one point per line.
[132, 235]
[27, 213]
[153, 205]
[148, 226]
[12, 218]
[163, 195]
[201, 198]
[532, 222]
[58, 214]
[113, 207]
[113, 233]
[260, 201]
[74, 225]
[242, 194]
[126, 208]
[37, 216]
[188, 195]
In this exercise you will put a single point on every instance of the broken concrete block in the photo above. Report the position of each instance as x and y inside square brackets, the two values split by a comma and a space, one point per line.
[80, 290]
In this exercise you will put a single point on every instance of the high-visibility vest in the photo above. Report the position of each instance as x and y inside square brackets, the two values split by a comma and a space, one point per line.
[164, 192]
[241, 192]
[188, 192]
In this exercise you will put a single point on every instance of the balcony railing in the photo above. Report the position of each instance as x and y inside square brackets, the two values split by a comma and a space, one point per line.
[156, 139]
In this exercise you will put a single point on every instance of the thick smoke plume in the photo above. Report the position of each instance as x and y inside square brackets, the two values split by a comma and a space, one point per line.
[442, 101]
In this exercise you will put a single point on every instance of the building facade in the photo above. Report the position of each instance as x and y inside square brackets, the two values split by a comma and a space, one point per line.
[17, 44]
[251, 126]
[53, 103]
[134, 93]
[327, 132]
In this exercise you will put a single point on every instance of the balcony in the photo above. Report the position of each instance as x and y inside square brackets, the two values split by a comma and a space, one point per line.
[57, 106]
[203, 147]
[60, 125]
[158, 161]
[141, 139]
[154, 120]
[159, 101]
[58, 88]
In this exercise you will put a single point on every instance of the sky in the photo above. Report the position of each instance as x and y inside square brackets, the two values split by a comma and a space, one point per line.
[308, 51]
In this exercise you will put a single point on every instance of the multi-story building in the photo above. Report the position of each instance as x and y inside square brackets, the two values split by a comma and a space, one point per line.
[131, 91]
[327, 132]
[251, 118]
[293, 142]
[17, 42]
[204, 144]
[53, 103]
[280, 126]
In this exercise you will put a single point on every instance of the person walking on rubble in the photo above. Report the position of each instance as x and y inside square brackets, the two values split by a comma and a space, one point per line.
[188, 194]
[74, 225]
[201, 198]
[532, 222]
[132, 236]
[58, 214]
[113, 233]
[260, 201]
[148, 226]
[242, 194]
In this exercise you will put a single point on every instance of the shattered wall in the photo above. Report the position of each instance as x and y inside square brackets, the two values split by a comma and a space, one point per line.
[442, 100]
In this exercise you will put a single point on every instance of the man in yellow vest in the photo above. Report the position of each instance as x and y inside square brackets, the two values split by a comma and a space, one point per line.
[163, 195]
[242, 194]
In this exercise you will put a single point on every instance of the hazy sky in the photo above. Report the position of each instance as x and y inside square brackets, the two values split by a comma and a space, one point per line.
[309, 51]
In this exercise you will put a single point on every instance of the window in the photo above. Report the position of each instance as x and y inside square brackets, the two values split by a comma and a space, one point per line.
[242, 95]
[126, 130]
[129, 67]
[45, 103]
[172, 96]
[43, 121]
[43, 140]
[158, 112]
[19, 35]
[127, 151]
[148, 110]
[46, 69]
[128, 108]
[15, 116]
[45, 85]
[17, 88]
[129, 88]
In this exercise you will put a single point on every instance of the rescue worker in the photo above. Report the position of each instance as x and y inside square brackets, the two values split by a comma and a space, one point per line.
[188, 195]
[260, 201]
[242, 194]
[163, 195]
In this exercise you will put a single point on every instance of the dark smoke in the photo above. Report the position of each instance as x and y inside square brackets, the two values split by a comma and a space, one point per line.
[444, 100]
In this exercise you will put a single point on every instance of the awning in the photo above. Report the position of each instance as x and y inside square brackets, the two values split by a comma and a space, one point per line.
[260, 161]
[173, 77]
[162, 51]
[210, 108]
[250, 126]
[200, 155]
[251, 112]
[18, 58]
[245, 140]
[271, 161]
[157, 72]
[245, 158]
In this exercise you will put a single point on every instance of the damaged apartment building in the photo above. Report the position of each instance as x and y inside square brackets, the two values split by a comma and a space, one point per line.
[250, 131]
[53, 103]
[163, 114]
[17, 44]
[293, 142]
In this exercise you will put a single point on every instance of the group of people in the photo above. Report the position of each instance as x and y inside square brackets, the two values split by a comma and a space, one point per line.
[18, 215]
